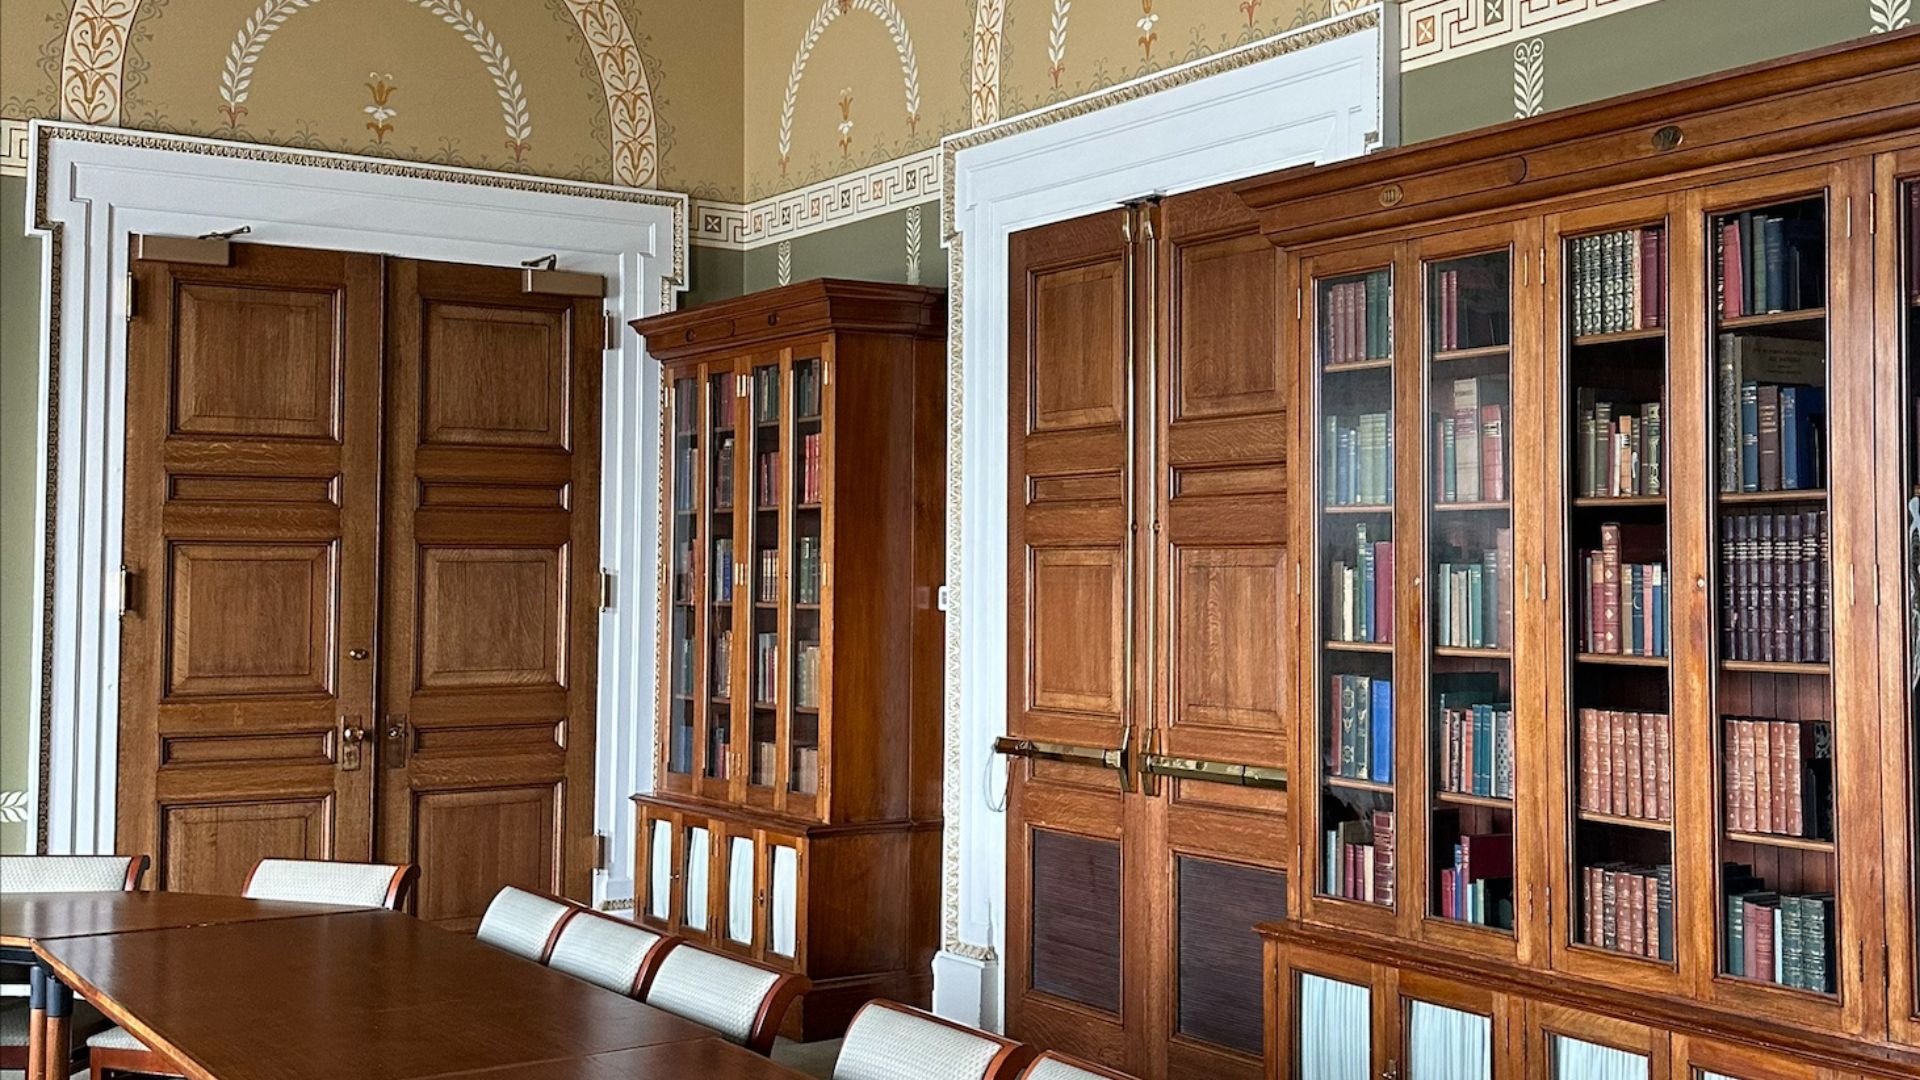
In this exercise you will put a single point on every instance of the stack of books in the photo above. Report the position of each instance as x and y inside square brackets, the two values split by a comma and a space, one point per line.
[810, 468]
[1478, 887]
[1778, 776]
[806, 390]
[1359, 859]
[1470, 443]
[719, 761]
[766, 664]
[721, 571]
[723, 474]
[767, 480]
[1775, 587]
[1620, 449]
[1771, 413]
[720, 664]
[806, 675]
[1475, 751]
[1770, 263]
[1619, 281]
[1777, 938]
[1358, 316]
[1625, 601]
[767, 589]
[1357, 460]
[683, 462]
[1473, 600]
[1360, 729]
[686, 406]
[1470, 306]
[765, 756]
[1360, 593]
[766, 395]
[1628, 909]
[1626, 764]
[806, 570]
[806, 769]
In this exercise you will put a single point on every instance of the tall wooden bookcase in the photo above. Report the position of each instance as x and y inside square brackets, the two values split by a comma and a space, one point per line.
[796, 811]
[1608, 650]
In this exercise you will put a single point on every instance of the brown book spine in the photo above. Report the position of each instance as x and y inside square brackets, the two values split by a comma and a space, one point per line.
[1796, 793]
[1617, 722]
[1777, 740]
[1630, 724]
[1589, 772]
[1663, 763]
[1650, 906]
[1762, 776]
[1610, 909]
[1590, 889]
[1649, 764]
[1748, 797]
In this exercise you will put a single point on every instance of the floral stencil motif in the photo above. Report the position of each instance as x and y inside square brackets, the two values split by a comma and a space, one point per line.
[236, 79]
[381, 114]
[1147, 34]
[846, 120]
[92, 59]
[830, 10]
[1247, 8]
[1057, 40]
[1529, 77]
[623, 77]
[1889, 15]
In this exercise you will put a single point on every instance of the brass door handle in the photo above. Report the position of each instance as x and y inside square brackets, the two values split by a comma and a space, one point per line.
[357, 654]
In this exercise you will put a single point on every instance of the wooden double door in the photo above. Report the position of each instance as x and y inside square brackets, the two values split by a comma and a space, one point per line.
[1151, 602]
[361, 551]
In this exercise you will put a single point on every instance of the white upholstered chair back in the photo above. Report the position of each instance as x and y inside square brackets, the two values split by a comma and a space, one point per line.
[730, 996]
[70, 873]
[521, 922]
[604, 951]
[891, 1042]
[1048, 1066]
[318, 881]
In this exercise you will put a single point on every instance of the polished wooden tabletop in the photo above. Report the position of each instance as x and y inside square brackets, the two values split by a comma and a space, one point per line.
[708, 1059]
[368, 994]
[28, 917]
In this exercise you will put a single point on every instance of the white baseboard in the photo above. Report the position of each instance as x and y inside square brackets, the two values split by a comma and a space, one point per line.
[966, 990]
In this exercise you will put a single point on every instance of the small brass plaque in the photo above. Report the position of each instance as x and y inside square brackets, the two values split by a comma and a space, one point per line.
[1668, 138]
[1392, 194]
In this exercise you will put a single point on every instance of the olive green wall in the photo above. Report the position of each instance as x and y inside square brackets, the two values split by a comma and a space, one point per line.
[19, 442]
[882, 248]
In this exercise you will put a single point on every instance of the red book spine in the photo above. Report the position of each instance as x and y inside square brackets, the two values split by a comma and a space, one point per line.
[1603, 766]
[1617, 721]
[1663, 762]
[1589, 777]
[1609, 589]
[1777, 775]
[1733, 281]
[1762, 772]
[1636, 805]
[1796, 795]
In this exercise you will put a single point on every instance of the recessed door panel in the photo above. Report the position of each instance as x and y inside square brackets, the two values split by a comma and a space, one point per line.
[1078, 623]
[1226, 358]
[1219, 997]
[478, 842]
[1076, 903]
[494, 376]
[251, 619]
[491, 617]
[256, 361]
[212, 847]
[1077, 362]
[1228, 654]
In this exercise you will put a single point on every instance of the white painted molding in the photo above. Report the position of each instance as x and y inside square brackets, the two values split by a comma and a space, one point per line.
[1317, 103]
[93, 187]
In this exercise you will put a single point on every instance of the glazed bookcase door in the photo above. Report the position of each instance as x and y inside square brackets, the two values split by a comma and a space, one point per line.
[681, 625]
[1347, 806]
[1474, 845]
[768, 448]
[1567, 1044]
[737, 929]
[807, 620]
[783, 909]
[1615, 620]
[1450, 1031]
[1897, 496]
[695, 845]
[716, 698]
[1704, 1059]
[1334, 1017]
[1794, 847]
[657, 901]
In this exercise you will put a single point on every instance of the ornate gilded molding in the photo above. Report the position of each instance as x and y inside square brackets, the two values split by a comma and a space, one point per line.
[93, 59]
[842, 200]
[623, 77]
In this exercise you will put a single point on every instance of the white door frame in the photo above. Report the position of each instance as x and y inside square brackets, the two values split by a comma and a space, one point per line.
[1318, 94]
[93, 187]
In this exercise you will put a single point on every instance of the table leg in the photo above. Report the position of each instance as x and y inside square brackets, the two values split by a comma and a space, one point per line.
[59, 1032]
[36, 1023]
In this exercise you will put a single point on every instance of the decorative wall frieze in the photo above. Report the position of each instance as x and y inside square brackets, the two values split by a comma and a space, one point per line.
[14, 144]
[842, 200]
[1433, 31]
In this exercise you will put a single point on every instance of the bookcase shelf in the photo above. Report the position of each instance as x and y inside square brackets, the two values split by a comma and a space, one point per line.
[1777, 667]
[1358, 365]
[1464, 653]
[1762, 498]
[1796, 843]
[1620, 502]
[1382, 647]
[1621, 660]
[1472, 507]
[1478, 352]
[1349, 784]
[1368, 508]
[1773, 318]
[1648, 824]
[1620, 337]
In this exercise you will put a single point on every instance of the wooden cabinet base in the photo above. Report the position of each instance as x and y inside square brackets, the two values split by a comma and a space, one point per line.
[855, 908]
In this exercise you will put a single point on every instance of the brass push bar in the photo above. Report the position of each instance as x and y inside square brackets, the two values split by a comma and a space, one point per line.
[1099, 757]
[1216, 772]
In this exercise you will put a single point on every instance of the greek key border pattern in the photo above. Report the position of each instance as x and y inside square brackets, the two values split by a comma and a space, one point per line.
[842, 200]
[1434, 31]
[15, 146]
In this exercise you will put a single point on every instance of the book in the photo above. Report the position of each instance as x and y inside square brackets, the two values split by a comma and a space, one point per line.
[1743, 363]
[1380, 739]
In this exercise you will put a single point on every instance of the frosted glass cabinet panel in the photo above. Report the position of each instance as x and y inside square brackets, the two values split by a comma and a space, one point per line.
[1335, 1019]
[740, 890]
[699, 858]
[783, 894]
[1448, 1044]
[660, 870]
[1577, 1060]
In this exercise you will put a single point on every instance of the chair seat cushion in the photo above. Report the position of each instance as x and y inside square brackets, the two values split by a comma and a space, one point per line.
[116, 1038]
[13, 1020]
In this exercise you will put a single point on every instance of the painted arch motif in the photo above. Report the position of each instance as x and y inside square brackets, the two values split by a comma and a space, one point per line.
[831, 10]
[94, 53]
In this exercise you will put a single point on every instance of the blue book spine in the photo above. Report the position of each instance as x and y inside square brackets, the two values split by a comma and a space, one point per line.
[1790, 438]
[1382, 714]
[1775, 265]
[1660, 616]
[1749, 436]
[1482, 750]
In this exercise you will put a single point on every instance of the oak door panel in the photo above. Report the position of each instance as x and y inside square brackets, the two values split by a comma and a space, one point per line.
[489, 615]
[1223, 583]
[1071, 552]
[253, 413]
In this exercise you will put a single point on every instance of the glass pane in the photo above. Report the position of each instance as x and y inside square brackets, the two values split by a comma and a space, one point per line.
[1614, 568]
[699, 858]
[1772, 691]
[809, 485]
[1469, 576]
[783, 900]
[1447, 1044]
[1704, 1074]
[660, 870]
[769, 492]
[1354, 340]
[720, 574]
[1577, 1060]
[685, 417]
[740, 890]
[1336, 1025]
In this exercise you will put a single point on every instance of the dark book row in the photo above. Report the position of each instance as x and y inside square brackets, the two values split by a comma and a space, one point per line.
[1470, 442]
[1619, 452]
[1771, 429]
[766, 395]
[1619, 281]
[1775, 587]
[720, 664]
[722, 482]
[1473, 751]
[806, 570]
[1357, 460]
[1360, 592]
[1470, 304]
[1359, 743]
[1770, 262]
[1624, 603]
[1358, 319]
[1360, 861]
[806, 390]
[1777, 937]
[721, 571]
[1628, 909]
[1473, 596]
[1477, 887]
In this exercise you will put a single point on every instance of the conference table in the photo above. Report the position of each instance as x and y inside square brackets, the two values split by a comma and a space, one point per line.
[228, 988]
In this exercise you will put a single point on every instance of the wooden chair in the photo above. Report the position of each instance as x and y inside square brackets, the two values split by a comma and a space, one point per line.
[311, 881]
[741, 1000]
[56, 873]
[609, 951]
[1053, 1065]
[891, 1041]
[525, 923]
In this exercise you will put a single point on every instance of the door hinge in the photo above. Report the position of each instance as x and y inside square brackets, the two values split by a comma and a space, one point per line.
[1543, 264]
[601, 846]
[128, 295]
[606, 589]
[1849, 215]
[940, 598]
[126, 589]
[612, 339]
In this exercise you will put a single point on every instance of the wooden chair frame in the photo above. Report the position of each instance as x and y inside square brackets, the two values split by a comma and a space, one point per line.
[1008, 1064]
